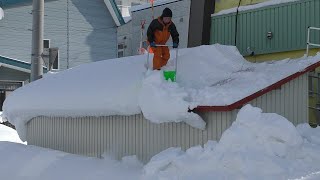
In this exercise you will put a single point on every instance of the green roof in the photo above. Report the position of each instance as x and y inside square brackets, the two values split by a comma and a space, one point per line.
[7, 3]
[14, 62]
[17, 63]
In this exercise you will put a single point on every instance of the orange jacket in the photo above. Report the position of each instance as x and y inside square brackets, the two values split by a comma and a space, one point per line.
[159, 32]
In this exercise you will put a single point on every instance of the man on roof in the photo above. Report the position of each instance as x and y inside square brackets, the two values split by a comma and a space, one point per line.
[158, 33]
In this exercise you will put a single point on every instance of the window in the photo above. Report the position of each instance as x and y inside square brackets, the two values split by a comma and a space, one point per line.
[46, 43]
[56, 62]
[120, 54]
[121, 48]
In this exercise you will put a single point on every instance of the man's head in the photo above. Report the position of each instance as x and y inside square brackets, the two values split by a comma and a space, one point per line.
[166, 15]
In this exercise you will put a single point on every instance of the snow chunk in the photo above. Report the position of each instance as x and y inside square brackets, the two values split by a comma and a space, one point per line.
[309, 133]
[261, 132]
[162, 160]
[163, 101]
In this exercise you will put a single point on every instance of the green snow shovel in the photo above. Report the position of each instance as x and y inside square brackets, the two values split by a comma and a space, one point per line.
[168, 74]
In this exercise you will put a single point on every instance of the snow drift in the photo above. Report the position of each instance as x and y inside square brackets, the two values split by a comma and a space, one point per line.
[257, 146]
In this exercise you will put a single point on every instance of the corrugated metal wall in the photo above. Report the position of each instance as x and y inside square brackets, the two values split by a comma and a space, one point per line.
[290, 101]
[120, 135]
[134, 135]
[288, 22]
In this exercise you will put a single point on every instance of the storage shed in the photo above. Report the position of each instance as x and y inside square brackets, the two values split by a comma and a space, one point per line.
[123, 134]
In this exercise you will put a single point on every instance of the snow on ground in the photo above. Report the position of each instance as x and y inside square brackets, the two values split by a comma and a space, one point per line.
[257, 146]
[21, 162]
[254, 6]
[207, 75]
[9, 134]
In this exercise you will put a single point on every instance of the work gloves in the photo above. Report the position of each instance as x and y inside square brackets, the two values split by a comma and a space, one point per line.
[175, 45]
[153, 44]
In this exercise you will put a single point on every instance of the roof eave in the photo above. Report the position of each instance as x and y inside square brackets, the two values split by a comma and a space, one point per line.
[114, 11]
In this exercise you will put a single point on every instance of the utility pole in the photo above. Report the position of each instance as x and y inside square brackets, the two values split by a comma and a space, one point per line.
[37, 40]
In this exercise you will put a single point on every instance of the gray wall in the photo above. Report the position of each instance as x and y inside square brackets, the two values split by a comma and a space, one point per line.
[134, 135]
[91, 36]
[125, 37]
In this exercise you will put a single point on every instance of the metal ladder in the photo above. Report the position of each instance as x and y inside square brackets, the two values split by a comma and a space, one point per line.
[308, 39]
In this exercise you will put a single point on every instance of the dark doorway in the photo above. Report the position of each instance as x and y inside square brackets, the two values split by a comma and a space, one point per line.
[200, 22]
[2, 98]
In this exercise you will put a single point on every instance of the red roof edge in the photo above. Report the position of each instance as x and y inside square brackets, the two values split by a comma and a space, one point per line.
[247, 99]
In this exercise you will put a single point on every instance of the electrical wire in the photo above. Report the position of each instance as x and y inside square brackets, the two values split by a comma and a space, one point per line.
[236, 25]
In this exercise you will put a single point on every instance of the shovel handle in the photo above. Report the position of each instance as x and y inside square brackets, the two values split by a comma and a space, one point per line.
[163, 45]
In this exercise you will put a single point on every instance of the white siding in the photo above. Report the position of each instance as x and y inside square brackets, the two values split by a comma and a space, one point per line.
[91, 37]
[15, 33]
[134, 135]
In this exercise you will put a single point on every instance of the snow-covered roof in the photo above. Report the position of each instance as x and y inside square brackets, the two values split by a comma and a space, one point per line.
[253, 6]
[148, 5]
[213, 75]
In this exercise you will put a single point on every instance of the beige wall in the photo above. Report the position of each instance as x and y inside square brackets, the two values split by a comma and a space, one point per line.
[227, 4]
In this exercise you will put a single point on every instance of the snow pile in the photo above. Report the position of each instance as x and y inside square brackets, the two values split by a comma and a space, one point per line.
[310, 134]
[1, 13]
[214, 75]
[254, 6]
[257, 146]
[9, 134]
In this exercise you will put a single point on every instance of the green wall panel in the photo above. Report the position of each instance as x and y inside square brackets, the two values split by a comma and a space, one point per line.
[288, 22]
